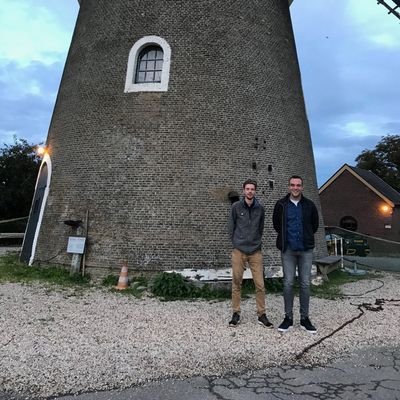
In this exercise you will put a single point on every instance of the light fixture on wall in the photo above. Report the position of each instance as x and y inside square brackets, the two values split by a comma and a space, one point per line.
[40, 150]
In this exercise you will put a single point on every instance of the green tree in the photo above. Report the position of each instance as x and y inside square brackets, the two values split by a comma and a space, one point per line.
[384, 160]
[19, 166]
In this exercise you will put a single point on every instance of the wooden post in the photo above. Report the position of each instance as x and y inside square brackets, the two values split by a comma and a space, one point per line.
[86, 236]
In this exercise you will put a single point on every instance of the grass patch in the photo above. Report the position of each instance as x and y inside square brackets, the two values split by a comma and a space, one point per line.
[167, 286]
[272, 285]
[110, 281]
[332, 288]
[11, 270]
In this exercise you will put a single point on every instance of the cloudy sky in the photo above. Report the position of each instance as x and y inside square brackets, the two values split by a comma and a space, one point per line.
[349, 53]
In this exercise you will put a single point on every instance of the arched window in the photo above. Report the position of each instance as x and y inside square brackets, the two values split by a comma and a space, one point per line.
[148, 65]
[349, 223]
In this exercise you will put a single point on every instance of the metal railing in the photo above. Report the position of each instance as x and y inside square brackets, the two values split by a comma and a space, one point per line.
[364, 245]
[10, 232]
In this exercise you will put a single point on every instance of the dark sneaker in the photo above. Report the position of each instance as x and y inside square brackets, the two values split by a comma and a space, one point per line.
[235, 319]
[263, 320]
[285, 325]
[306, 324]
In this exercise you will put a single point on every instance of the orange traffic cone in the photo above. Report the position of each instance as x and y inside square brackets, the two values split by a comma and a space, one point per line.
[123, 277]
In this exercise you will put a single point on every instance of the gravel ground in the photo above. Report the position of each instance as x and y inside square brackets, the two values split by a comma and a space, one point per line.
[68, 341]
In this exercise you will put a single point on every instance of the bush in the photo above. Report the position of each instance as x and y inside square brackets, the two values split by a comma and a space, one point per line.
[172, 286]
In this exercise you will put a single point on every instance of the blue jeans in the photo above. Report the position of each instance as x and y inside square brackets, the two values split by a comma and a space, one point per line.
[303, 261]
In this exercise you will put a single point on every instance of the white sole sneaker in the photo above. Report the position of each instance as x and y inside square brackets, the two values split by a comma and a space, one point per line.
[285, 330]
[311, 332]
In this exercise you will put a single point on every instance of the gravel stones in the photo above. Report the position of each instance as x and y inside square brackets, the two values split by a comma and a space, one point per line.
[70, 341]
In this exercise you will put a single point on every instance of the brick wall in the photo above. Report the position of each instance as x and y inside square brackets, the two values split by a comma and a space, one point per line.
[348, 196]
[155, 169]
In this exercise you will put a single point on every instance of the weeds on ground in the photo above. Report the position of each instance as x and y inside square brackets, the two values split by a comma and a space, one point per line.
[137, 287]
[11, 270]
[173, 286]
[272, 285]
[168, 286]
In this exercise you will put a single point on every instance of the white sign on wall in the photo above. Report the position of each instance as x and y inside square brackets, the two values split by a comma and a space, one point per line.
[76, 244]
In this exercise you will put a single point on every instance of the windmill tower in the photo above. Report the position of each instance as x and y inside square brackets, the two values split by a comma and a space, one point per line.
[164, 109]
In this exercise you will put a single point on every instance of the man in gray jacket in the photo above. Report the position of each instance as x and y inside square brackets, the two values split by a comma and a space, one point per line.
[246, 227]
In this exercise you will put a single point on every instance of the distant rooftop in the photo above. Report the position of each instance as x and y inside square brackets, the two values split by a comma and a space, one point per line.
[368, 178]
[378, 184]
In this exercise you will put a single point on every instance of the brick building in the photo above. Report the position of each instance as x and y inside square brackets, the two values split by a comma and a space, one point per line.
[164, 109]
[358, 200]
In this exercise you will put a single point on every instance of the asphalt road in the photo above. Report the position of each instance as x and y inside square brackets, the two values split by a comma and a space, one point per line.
[367, 374]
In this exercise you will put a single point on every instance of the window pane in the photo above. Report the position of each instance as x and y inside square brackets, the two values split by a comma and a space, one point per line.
[159, 65]
[157, 76]
[149, 76]
[151, 55]
[160, 55]
[142, 66]
[141, 76]
[151, 65]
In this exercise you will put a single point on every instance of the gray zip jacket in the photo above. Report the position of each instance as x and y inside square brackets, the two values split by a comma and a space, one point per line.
[246, 226]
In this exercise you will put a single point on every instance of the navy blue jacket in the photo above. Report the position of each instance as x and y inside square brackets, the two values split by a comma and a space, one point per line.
[310, 222]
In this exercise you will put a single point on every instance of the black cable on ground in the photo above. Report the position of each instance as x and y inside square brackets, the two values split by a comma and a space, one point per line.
[368, 291]
[306, 349]
[361, 307]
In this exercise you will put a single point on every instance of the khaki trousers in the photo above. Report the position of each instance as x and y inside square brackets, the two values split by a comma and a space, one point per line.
[239, 262]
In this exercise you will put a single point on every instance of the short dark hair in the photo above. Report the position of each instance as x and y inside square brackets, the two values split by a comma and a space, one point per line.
[296, 177]
[250, 182]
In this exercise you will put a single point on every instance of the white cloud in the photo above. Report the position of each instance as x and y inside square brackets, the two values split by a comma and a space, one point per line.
[359, 126]
[356, 128]
[30, 33]
[34, 88]
[385, 40]
[374, 24]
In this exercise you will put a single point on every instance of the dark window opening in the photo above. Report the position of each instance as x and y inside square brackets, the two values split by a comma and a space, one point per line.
[149, 65]
[271, 184]
[233, 197]
[349, 223]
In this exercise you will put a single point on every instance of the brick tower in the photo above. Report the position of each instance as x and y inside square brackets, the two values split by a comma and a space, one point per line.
[164, 109]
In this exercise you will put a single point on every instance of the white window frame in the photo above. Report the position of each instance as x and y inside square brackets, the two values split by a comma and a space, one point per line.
[130, 85]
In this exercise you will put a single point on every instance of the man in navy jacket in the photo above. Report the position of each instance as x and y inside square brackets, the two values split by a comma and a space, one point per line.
[295, 219]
